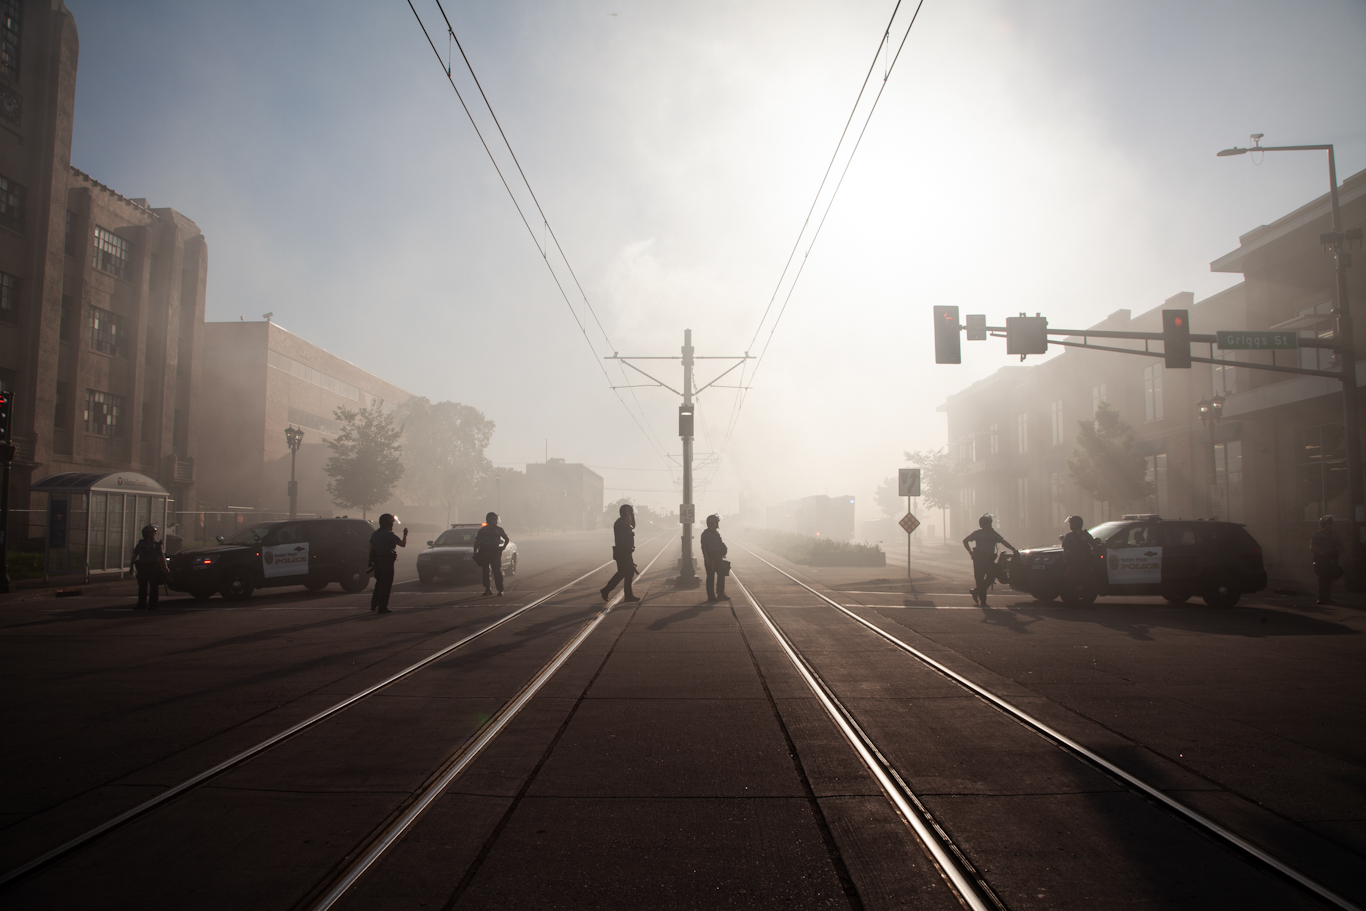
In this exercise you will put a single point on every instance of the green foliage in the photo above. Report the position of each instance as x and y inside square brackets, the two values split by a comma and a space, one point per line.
[365, 465]
[811, 551]
[24, 565]
[1104, 463]
[443, 451]
[888, 500]
[939, 476]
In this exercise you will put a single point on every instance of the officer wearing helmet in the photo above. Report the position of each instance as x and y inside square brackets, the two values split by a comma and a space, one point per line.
[489, 543]
[149, 563]
[383, 555]
[983, 553]
[1079, 550]
[714, 557]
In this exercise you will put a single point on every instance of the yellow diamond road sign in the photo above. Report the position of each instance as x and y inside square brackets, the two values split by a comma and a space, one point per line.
[909, 522]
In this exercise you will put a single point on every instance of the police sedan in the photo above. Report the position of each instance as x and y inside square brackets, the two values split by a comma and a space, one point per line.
[452, 555]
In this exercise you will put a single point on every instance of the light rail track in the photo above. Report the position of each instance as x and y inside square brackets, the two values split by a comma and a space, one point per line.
[172, 793]
[887, 776]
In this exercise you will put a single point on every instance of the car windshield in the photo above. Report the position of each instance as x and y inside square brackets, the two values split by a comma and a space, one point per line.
[251, 535]
[1104, 530]
[457, 537]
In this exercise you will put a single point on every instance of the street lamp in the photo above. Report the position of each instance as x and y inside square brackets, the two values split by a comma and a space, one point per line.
[294, 436]
[1337, 240]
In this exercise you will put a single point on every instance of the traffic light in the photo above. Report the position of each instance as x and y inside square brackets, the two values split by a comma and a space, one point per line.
[947, 346]
[685, 420]
[1026, 334]
[1176, 338]
[6, 411]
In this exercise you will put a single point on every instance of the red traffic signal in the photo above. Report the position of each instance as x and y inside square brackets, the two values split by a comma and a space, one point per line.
[947, 345]
[1176, 338]
[6, 408]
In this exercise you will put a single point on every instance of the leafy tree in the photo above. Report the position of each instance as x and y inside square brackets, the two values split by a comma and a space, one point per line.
[365, 463]
[1104, 463]
[940, 478]
[887, 498]
[443, 451]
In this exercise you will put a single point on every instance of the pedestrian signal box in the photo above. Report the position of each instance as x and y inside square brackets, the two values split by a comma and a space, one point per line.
[1176, 338]
[6, 413]
[977, 327]
[685, 420]
[1026, 335]
[947, 346]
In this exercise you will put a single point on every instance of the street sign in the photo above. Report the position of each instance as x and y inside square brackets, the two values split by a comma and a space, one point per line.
[908, 482]
[687, 513]
[1243, 340]
[977, 327]
[909, 522]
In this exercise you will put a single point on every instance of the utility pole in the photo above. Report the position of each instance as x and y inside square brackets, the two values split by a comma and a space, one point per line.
[687, 510]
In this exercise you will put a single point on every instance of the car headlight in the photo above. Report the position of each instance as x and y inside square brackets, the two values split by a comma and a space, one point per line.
[422, 558]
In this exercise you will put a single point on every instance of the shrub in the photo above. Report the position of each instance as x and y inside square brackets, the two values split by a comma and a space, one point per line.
[813, 551]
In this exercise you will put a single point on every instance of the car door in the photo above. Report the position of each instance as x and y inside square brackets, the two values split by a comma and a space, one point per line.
[1180, 557]
[284, 555]
[324, 552]
[1133, 557]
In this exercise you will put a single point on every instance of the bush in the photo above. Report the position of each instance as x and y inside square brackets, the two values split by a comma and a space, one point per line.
[25, 565]
[812, 551]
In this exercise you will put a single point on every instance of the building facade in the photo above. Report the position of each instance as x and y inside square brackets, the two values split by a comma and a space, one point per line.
[819, 516]
[258, 380]
[1275, 459]
[563, 495]
[101, 296]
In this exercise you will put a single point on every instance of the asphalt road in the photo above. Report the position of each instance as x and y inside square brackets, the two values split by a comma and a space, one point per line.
[677, 758]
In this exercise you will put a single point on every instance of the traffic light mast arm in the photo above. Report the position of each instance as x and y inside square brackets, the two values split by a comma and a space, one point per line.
[1276, 368]
[1151, 337]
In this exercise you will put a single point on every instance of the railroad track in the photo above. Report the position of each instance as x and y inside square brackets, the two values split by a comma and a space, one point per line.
[957, 868]
[354, 865]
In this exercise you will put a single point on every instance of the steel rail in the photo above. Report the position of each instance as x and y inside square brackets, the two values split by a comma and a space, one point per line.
[956, 869]
[189, 783]
[1201, 821]
[463, 757]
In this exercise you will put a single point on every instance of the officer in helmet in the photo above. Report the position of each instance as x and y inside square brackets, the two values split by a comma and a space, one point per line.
[383, 555]
[981, 546]
[1079, 550]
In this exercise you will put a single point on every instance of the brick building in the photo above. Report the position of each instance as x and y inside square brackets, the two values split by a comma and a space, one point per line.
[259, 379]
[1276, 459]
[101, 296]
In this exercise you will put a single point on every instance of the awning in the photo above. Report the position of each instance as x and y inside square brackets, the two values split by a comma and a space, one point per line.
[83, 482]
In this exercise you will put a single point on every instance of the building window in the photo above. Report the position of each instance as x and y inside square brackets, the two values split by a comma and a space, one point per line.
[1228, 480]
[147, 415]
[1155, 473]
[995, 440]
[1056, 415]
[1152, 393]
[67, 330]
[1097, 397]
[9, 39]
[1225, 375]
[1057, 492]
[108, 333]
[12, 197]
[1313, 322]
[70, 233]
[61, 414]
[9, 298]
[1321, 472]
[1022, 432]
[111, 252]
[1022, 501]
[104, 413]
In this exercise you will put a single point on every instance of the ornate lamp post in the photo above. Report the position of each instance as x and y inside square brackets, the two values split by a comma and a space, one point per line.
[1211, 410]
[294, 436]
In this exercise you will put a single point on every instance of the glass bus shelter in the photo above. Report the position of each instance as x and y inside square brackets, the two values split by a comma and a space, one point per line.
[93, 520]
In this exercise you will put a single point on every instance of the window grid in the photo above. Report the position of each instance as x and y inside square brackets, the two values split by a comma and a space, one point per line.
[107, 333]
[1022, 498]
[9, 297]
[1152, 393]
[12, 196]
[1155, 473]
[1022, 432]
[1056, 416]
[104, 413]
[111, 252]
[995, 440]
[9, 39]
[1097, 397]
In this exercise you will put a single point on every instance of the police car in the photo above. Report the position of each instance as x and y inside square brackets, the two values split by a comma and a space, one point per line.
[452, 555]
[308, 552]
[1147, 555]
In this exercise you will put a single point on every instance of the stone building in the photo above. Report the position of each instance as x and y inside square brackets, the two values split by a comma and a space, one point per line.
[259, 379]
[101, 296]
[1275, 459]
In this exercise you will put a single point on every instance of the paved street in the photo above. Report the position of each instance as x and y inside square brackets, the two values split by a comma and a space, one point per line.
[676, 756]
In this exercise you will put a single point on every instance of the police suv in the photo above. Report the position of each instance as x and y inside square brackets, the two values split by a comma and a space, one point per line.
[307, 552]
[1146, 555]
[452, 555]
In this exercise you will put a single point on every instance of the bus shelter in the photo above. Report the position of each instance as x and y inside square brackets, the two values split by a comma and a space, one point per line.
[93, 520]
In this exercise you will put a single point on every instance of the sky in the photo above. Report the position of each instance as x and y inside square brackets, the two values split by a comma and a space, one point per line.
[1050, 157]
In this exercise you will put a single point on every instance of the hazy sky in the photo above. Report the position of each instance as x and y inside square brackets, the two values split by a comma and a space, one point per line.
[1050, 157]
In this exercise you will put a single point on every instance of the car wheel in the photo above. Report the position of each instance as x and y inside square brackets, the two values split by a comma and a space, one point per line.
[237, 584]
[201, 594]
[358, 580]
[1078, 599]
[1176, 599]
[1222, 594]
[315, 585]
[425, 578]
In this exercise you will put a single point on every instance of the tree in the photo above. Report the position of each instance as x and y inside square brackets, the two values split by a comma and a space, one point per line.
[1104, 463]
[443, 451]
[939, 480]
[365, 463]
[888, 498]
